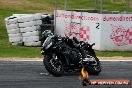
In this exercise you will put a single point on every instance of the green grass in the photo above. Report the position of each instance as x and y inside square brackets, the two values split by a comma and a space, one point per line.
[9, 7]
[19, 51]
[114, 53]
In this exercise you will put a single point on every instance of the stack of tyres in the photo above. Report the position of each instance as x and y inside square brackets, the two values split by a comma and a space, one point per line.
[26, 29]
[12, 26]
[30, 29]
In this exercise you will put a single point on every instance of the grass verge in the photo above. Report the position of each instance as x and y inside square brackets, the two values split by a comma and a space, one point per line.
[114, 53]
[19, 51]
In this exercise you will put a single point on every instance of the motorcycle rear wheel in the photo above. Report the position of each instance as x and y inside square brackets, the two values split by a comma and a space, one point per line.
[53, 66]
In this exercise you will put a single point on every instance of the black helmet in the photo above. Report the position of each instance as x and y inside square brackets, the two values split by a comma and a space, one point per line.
[46, 33]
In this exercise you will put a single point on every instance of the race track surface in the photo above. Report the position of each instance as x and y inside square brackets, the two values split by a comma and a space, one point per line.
[32, 74]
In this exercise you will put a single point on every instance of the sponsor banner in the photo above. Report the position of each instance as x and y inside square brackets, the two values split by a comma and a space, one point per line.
[116, 32]
[112, 32]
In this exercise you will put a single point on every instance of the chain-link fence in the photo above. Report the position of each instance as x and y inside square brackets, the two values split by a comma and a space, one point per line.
[102, 6]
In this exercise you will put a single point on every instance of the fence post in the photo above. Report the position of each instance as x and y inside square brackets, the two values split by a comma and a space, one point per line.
[95, 4]
[101, 6]
[127, 7]
[55, 12]
[65, 4]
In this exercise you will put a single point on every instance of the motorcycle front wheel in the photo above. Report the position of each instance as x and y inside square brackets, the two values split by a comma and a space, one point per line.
[53, 65]
[94, 69]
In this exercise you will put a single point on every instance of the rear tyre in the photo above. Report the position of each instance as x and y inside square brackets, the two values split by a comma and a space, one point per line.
[53, 65]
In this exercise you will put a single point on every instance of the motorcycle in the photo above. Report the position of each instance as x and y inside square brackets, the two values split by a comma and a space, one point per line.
[62, 54]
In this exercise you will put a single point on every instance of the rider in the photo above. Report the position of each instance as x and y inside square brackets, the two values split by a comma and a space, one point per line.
[74, 43]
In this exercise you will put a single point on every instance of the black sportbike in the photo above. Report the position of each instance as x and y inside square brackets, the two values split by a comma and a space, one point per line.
[62, 54]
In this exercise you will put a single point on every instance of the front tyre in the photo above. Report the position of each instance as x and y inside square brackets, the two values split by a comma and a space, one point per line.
[53, 65]
[94, 69]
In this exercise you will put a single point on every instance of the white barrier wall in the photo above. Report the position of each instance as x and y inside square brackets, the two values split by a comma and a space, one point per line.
[111, 32]
[116, 32]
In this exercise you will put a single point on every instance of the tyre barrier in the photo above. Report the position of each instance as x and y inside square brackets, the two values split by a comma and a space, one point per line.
[28, 34]
[12, 26]
[24, 28]
[17, 43]
[14, 35]
[15, 40]
[44, 15]
[37, 16]
[29, 29]
[38, 22]
[13, 31]
[31, 39]
[12, 20]
[38, 43]
[27, 24]
[20, 15]
[23, 19]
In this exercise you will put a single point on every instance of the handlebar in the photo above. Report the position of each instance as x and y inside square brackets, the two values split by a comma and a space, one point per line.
[93, 44]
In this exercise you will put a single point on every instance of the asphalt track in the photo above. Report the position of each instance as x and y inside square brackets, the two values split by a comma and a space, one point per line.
[32, 74]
